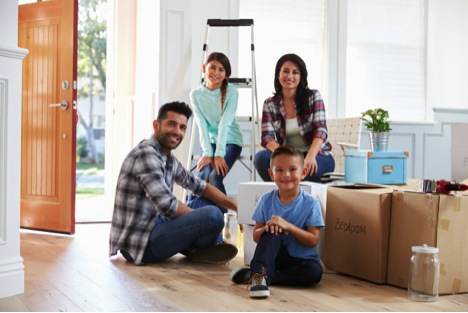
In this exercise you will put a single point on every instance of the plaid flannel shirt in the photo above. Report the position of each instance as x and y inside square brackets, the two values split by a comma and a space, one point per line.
[312, 122]
[144, 190]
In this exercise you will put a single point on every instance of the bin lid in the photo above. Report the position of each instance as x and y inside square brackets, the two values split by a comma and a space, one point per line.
[377, 154]
[425, 249]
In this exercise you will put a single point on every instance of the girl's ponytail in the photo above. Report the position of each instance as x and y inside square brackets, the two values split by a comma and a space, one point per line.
[223, 93]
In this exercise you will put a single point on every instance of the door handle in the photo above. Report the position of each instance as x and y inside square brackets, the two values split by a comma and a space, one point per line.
[63, 105]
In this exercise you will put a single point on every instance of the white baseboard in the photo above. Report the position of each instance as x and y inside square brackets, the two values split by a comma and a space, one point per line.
[11, 277]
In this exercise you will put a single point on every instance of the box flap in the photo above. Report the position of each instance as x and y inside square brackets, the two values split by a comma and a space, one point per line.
[370, 188]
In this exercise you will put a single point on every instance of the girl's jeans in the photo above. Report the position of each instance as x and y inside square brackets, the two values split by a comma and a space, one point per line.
[209, 174]
[325, 163]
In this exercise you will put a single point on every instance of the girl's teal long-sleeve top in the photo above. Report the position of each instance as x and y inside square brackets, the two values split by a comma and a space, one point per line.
[214, 127]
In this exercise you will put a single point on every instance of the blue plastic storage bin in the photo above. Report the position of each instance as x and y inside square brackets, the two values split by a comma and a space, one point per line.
[379, 167]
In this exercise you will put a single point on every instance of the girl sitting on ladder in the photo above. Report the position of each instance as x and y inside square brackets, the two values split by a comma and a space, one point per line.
[214, 104]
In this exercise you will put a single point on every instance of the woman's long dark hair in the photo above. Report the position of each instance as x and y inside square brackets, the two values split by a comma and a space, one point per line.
[223, 59]
[303, 91]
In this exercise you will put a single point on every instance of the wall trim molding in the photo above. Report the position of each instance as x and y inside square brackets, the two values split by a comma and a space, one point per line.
[11, 265]
[11, 276]
[449, 115]
[3, 150]
[13, 52]
[451, 110]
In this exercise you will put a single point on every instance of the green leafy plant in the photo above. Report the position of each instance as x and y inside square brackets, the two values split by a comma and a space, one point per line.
[82, 147]
[376, 120]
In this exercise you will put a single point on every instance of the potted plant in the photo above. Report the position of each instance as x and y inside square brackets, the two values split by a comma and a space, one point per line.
[378, 123]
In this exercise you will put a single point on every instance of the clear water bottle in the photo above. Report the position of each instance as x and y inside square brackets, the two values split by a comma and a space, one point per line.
[230, 228]
[424, 270]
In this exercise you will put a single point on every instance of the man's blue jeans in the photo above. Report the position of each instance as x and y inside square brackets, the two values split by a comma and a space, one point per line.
[281, 268]
[209, 174]
[195, 230]
[325, 163]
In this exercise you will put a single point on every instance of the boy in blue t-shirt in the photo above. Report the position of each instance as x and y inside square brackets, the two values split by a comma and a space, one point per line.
[288, 222]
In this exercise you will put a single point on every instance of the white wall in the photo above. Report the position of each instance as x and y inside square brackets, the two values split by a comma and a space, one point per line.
[121, 41]
[11, 263]
[9, 18]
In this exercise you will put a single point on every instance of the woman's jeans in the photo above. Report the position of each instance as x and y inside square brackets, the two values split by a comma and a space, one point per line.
[192, 231]
[281, 268]
[325, 164]
[209, 174]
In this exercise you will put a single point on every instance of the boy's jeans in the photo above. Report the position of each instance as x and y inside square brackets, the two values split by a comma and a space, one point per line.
[281, 268]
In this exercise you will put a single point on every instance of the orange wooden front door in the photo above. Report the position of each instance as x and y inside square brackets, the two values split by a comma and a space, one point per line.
[48, 30]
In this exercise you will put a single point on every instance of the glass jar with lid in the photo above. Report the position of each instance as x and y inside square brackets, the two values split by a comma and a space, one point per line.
[424, 270]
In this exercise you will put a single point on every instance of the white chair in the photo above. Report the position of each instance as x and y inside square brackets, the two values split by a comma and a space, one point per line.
[343, 134]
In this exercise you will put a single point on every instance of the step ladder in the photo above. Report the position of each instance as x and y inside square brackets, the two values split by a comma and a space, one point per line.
[246, 82]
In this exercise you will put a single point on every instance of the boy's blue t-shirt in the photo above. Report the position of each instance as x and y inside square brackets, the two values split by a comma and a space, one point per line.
[303, 211]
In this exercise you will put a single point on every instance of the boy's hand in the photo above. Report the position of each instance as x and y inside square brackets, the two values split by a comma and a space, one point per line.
[277, 225]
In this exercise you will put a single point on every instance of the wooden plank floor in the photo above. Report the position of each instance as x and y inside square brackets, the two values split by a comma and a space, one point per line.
[73, 273]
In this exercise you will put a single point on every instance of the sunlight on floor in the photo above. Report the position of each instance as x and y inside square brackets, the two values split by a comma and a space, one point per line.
[92, 208]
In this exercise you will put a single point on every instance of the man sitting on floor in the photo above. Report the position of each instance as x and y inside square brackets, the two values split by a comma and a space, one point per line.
[149, 223]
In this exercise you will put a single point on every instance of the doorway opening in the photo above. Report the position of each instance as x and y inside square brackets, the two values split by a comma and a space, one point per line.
[90, 204]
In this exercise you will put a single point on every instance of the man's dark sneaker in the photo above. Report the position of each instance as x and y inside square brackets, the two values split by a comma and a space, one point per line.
[220, 253]
[240, 275]
[258, 286]
[126, 255]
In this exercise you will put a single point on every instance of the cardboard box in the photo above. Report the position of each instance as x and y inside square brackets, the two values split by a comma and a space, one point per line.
[438, 221]
[357, 229]
[247, 198]
[383, 167]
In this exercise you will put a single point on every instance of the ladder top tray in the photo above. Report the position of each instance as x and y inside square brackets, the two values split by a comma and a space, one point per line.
[227, 23]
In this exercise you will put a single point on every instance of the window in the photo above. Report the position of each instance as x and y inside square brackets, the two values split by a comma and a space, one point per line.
[378, 59]
[386, 58]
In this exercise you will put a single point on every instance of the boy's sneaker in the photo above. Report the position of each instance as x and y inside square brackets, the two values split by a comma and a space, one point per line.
[220, 253]
[240, 275]
[258, 286]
